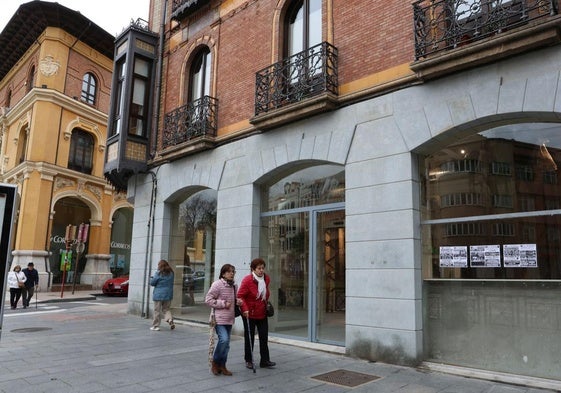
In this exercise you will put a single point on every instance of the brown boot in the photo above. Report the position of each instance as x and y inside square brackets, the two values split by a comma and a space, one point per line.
[215, 369]
[224, 370]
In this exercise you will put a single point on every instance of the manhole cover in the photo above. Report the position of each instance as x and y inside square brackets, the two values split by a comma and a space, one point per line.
[30, 330]
[346, 378]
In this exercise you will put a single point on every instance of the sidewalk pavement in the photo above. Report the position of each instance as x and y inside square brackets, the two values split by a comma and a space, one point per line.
[98, 347]
[65, 295]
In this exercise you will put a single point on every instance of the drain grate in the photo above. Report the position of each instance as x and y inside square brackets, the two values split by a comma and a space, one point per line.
[346, 378]
[30, 330]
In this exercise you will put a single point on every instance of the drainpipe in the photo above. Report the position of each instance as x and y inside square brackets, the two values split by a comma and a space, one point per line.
[149, 249]
[159, 77]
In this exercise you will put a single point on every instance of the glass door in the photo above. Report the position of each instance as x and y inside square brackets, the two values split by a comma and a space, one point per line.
[328, 321]
[302, 240]
[288, 267]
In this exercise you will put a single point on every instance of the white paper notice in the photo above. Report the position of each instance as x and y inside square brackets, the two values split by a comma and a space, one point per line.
[454, 256]
[520, 255]
[485, 256]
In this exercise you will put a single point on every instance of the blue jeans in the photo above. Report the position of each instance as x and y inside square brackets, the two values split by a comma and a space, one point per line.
[223, 345]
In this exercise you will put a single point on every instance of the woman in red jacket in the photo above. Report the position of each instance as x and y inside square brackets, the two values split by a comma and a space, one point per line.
[254, 291]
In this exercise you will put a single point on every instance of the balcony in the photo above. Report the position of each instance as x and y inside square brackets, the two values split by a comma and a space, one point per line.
[296, 87]
[195, 121]
[455, 34]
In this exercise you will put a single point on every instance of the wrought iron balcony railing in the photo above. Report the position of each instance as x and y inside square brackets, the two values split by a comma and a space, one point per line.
[190, 121]
[295, 78]
[446, 24]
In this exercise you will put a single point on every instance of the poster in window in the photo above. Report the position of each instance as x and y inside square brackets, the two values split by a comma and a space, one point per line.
[453, 256]
[485, 256]
[520, 255]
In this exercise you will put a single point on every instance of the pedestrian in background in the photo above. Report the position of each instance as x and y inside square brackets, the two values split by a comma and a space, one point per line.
[254, 293]
[162, 281]
[31, 283]
[16, 280]
[221, 298]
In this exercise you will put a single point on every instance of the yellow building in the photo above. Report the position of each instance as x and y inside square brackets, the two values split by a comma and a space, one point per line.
[55, 85]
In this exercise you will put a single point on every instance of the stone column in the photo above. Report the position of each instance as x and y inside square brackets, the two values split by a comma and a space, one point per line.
[96, 271]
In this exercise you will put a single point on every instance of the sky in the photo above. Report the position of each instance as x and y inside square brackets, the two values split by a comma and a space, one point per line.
[111, 15]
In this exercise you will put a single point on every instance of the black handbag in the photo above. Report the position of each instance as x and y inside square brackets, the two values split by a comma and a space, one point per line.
[270, 309]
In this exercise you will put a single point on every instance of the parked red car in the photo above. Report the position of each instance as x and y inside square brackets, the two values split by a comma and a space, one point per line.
[118, 286]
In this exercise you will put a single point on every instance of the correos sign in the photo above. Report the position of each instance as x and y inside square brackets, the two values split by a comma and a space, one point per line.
[123, 246]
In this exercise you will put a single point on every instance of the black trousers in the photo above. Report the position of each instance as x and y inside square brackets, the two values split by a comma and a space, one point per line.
[262, 326]
[15, 294]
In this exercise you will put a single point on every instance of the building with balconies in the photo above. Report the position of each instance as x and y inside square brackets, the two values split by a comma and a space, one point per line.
[395, 164]
[55, 86]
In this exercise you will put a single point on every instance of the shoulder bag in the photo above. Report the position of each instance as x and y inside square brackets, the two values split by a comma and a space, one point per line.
[20, 283]
[270, 309]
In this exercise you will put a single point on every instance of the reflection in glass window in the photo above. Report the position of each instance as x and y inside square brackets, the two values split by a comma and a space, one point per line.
[199, 79]
[502, 201]
[503, 229]
[88, 88]
[304, 27]
[527, 203]
[470, 193]
[309, 187]
[81, 152]
[465, 229]
[139, 102]
[524, 172]
[461, 198]
[500, 168]
[119, 103]
[550, 177]
[193, 238]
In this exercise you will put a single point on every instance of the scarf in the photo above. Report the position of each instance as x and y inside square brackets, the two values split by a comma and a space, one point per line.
[261, 287]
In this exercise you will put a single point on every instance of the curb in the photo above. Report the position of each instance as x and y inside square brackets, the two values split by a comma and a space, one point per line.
[68, 299]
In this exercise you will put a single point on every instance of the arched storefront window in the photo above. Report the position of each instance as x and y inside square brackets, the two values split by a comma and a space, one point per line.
[192, 252]
[491, 234]
[68, 211]
[303, 243]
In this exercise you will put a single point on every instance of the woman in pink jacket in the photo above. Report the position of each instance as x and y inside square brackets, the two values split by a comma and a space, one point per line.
[254, 294]
[221, 298]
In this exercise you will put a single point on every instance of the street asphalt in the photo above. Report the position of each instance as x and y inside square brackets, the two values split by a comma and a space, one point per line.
[82, 343]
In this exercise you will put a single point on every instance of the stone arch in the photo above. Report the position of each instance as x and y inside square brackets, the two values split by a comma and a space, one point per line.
[495, 95]
[285, 169]
[119, 205]
[88, 126]
[478, 125]
[184, 193]
[90, 201]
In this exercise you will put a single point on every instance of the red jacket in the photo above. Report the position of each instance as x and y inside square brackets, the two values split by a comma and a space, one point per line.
[248, 293]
